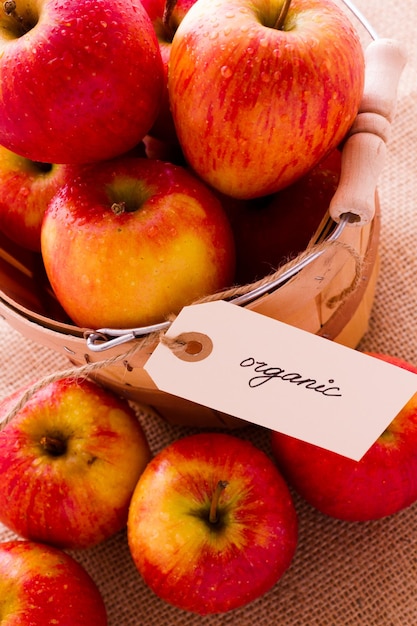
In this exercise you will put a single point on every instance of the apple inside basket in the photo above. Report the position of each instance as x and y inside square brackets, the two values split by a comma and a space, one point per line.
[328, 290]
[318, 298]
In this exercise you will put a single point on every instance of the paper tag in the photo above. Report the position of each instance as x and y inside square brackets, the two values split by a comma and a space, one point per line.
[250, 366]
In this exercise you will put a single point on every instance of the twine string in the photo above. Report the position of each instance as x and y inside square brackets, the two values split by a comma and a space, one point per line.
[74, 373]
[240, 290]
[84, 371]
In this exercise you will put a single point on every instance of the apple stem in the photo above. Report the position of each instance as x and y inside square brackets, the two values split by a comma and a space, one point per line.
[9, 7]
[213, 516]
[166, 19]
[53, 446]
[282, 15]
[118, 207]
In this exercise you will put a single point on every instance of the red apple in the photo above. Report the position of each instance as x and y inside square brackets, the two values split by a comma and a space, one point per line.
[382, 483]
[154, 8]
[211, 525]
[41, 585]
[81, 81]
[128, 242]
[270, 230]
[257, 103]
[69, 462]
[166, 17]
[26, 188]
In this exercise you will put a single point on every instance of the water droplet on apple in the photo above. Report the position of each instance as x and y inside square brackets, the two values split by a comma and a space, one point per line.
[213, 35]
[230, 14]
[275, 52]
[250, 50]
[225, 71]
[103, 24]
[226, 31]
[264, 42]
[244, 28]
[265, 77]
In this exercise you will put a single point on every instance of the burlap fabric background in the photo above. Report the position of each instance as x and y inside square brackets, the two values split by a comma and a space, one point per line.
[343, 574]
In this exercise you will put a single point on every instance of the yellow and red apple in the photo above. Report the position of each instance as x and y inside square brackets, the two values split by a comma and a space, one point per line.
[26, 187]
[69, 462]
[128, 242]
[257, 103]
[382, 483]
[212, 525]
[41, 585]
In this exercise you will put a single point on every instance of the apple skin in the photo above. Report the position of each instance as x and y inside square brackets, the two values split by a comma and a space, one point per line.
[26, 187]
[166, 18]
[69, 461]
[171, 245]
[191, 563]
[271, 230]
[84, 82]
[154, 8]
[255, 107]
[382, 483]
[42, 585]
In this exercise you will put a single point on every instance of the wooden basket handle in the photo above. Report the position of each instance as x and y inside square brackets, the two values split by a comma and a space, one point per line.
[364, 151]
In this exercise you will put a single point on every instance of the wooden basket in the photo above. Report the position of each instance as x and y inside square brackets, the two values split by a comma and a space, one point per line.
[330, 293]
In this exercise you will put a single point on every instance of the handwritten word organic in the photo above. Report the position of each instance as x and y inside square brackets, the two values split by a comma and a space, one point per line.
[266, 373]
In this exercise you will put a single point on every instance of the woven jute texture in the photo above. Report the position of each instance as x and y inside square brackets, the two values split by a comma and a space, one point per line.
[343, 574]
